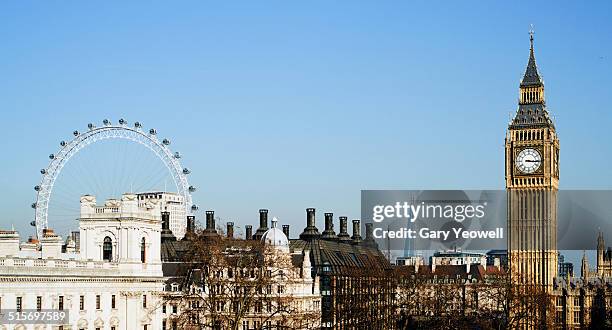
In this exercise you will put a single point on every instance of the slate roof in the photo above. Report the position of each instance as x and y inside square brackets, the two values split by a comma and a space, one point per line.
[534, 114]
[342, 257]
[532, 76]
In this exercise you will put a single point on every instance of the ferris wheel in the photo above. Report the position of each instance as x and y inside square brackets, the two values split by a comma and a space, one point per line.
[134, 134]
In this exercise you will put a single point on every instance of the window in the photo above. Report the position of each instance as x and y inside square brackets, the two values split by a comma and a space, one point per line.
[38, 303]
[60, 303]
[144, 327]
[107, 249]
[164, 308]
[144, 301]
[163, 324]
[97, 301]
[174, 309]
[82, 303]
[19, 304]
[142, 250]
[113, 302]
[245, 325]
[174, 327]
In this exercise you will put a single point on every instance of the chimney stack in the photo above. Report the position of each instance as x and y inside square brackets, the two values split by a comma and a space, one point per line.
[286, 230]
[210, 224]
[310, 232]
[249, 232]
[369, 239]
[191, 223]
[356, 232]
[263, 224]
[344, 236]
[165, 217]
[329, 233]
[166, 233]
[50, 244]
[230, 230]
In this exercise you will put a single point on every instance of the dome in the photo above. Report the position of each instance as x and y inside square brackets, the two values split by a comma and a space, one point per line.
[275, 237]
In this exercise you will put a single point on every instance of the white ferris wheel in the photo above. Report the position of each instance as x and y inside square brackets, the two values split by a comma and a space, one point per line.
[134, 135]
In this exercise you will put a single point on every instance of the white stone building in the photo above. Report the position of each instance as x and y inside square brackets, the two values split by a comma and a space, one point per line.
[114, 281]
[170, 202]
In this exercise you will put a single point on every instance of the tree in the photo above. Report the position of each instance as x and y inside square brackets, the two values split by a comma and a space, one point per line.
[229, 281]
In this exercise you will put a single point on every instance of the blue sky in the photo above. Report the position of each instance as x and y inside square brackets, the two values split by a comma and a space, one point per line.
[287, 105]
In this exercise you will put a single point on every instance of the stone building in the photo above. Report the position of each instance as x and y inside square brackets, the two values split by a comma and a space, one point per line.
[112, 283]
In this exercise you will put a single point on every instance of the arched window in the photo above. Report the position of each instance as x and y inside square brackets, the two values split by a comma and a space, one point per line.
[107, 249]
[143, 250]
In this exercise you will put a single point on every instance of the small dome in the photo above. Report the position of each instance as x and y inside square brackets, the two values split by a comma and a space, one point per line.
[275, 236]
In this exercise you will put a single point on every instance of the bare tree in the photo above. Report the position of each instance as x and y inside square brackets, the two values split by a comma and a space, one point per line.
[229, 281]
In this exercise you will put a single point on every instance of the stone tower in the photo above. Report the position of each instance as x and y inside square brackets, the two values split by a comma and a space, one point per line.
[532, 181]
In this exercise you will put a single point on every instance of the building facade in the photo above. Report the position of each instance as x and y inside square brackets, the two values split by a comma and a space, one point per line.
[172, 203]
[113, 282]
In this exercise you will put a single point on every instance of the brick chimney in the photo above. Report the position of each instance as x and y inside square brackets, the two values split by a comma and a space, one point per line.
[263, 224]
[343, 235]
[210, 224]
[249, 232]
[51, 244]
[166, 233]
[356, 232]
[369, 239]
[191, 223]
[286, 230]
[230, 230]
[329, 233]
[311, 231]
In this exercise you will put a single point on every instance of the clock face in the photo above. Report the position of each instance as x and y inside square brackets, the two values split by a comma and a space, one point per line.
[528, 160]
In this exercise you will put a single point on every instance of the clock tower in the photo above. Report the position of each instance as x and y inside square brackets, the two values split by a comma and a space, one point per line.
[532, 181]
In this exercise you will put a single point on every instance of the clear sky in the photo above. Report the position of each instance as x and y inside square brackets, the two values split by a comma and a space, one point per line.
[287, 105]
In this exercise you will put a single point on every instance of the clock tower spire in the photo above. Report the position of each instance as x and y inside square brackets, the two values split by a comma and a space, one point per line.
[532, 181]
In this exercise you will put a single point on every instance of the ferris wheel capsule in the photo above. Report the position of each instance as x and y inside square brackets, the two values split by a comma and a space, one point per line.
[177, 155]
[75, 133]
[122, 121]
[33, 223]
[192, 189]
[91, 126]
[194, 207]
[33, 205]
[152, 131]
[186, 171]
[106, 122]
[137, 125]
[37, 188]
[63, 143]
[166, 142]
[51, 156]
[43, 171]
